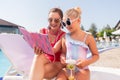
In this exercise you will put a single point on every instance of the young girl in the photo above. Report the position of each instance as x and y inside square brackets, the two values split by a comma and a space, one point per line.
[75, 45]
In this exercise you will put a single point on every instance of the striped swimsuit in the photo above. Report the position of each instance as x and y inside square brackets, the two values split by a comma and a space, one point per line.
[76, 49]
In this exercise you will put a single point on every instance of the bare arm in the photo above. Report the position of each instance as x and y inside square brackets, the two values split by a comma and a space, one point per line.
[93, 48]
[57, 46]
[63, 55]
[81, 63]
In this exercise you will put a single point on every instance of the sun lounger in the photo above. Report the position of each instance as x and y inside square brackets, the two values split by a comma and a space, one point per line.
[13, 78]
[18, 51]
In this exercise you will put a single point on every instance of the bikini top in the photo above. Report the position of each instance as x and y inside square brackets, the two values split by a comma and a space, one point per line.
[45, 31]
[57, 55]
[76, 49]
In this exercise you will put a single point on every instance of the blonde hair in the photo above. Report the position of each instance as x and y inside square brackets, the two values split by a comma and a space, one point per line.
[73, 12]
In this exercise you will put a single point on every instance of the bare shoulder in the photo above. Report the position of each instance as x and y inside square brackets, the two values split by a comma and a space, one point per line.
[89, 38]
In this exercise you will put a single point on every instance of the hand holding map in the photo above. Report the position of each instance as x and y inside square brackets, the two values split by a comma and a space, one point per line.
[37, 39]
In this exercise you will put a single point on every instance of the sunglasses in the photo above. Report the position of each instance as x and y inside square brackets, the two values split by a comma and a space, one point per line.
[68, 22]
[54, 19]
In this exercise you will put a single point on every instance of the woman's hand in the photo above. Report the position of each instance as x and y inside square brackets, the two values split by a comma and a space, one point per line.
[81, 63]
[63, 59]
[38, 50]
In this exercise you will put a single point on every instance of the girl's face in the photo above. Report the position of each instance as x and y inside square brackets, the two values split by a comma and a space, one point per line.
[54, 20]
[70, 23]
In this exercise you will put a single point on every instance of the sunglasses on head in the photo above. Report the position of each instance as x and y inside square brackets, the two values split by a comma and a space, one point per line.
[68, 22]
[54, 19]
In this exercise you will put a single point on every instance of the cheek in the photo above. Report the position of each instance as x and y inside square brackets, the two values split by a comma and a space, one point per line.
[59, 24]
[69, 28]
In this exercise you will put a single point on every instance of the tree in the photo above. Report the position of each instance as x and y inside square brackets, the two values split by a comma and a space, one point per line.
[93, 30]
[106, 29]
[82, 27]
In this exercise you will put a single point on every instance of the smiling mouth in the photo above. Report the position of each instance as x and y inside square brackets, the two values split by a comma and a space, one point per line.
[53, 25]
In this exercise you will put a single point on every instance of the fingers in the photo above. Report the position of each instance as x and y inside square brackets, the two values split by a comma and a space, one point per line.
[38, 50]
[81, 63]
[63, 60]
[78, 63]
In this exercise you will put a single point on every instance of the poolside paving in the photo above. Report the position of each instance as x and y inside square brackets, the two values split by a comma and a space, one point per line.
[107, 67]
[109, 58]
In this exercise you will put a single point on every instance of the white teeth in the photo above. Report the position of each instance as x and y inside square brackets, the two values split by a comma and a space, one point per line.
[54, 26]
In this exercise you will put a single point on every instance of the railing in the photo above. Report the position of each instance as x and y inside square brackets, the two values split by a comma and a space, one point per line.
[105, 44]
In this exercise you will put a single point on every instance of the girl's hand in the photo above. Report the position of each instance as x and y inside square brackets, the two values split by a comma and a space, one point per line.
[63, 60]
[81, 63]
[38, 50]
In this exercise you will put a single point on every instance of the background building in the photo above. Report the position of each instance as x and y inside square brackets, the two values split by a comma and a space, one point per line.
[8, 27]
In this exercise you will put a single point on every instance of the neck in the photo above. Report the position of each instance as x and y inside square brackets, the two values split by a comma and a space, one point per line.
[76, 32]
[54, 32]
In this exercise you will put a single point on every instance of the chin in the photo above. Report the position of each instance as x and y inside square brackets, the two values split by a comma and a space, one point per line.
[70, 30]
[55, 28]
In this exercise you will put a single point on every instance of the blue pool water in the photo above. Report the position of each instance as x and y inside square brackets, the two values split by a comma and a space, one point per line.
[4, 64]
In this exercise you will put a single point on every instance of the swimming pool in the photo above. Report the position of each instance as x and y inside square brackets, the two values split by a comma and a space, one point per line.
[4, 64]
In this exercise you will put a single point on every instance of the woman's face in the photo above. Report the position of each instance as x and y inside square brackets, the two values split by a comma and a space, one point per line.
[54, 20]
[70, 23]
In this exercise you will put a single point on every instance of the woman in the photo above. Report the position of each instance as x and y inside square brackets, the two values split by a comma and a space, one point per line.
[75, 45]
[44, 65]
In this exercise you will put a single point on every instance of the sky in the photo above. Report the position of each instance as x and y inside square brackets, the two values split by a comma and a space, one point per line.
[33, 14]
